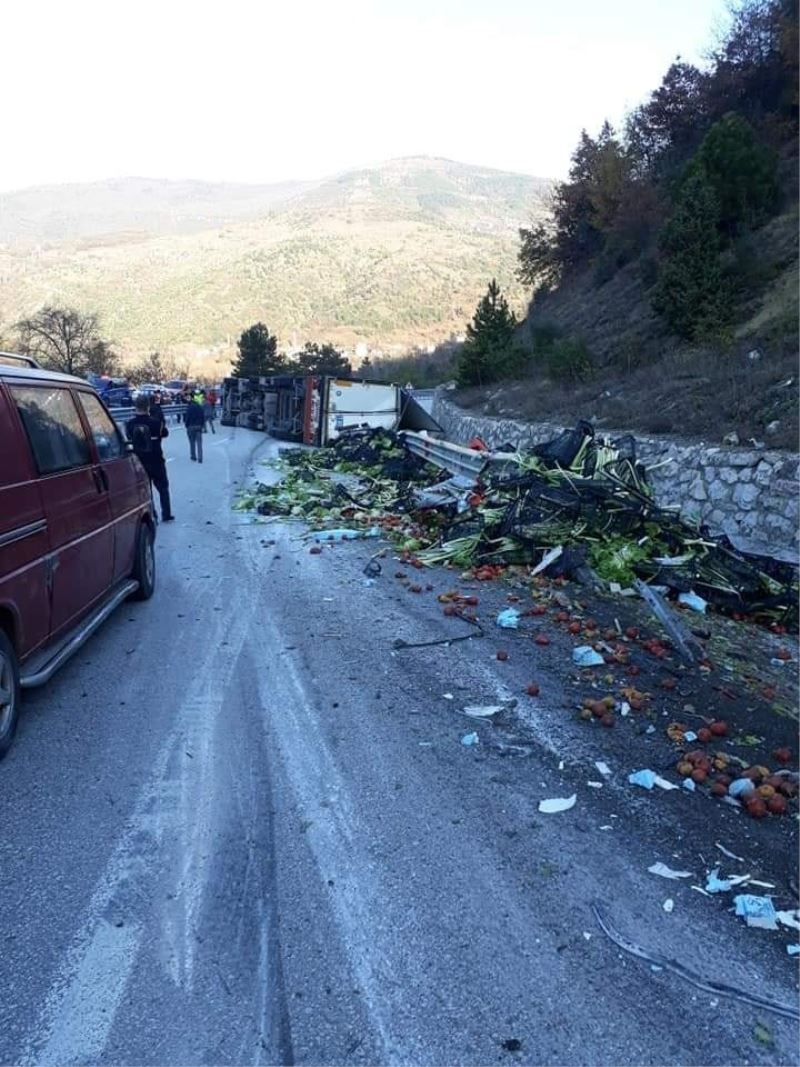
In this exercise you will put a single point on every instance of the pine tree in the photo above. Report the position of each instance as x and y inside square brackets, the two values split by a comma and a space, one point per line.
[488, 352]
[323, 359]
[258, 354]
[691, 292]
[741, 171]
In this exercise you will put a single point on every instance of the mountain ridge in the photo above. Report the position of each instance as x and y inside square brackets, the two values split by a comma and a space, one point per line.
[392, 255]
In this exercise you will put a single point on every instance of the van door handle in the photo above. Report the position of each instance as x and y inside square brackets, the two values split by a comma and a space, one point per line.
[100, 479]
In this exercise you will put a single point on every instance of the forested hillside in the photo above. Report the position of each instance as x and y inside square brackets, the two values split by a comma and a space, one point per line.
[665, 285]
[394, 254]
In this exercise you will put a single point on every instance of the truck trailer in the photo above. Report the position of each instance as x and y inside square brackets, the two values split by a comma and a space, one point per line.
[316, 409]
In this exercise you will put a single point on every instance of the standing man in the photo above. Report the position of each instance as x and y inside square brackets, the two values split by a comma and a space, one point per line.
[209, 413]
[156, 411]
[145, 434]
[194, 421]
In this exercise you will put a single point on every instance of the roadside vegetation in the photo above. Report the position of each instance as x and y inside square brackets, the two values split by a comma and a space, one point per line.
[665, 283]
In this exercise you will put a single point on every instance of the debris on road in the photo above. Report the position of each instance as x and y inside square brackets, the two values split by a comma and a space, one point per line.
[756, 911]
[693, 601]
[691, 691]
[708, 985]
[483, 711]
[577, 505]
[557, 804]
[647, 779]
[585, 656]
[728, 853]
[715, 884]
[664, 871]
[469, 739]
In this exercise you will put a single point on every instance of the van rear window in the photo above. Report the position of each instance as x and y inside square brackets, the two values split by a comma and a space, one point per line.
[53, 426]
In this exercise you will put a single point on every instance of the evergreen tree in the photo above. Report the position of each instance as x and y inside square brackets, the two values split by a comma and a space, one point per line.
[538, 261]
[691, 292]
[489, 352]
[258, 354]
[742, 173]
[323, 359]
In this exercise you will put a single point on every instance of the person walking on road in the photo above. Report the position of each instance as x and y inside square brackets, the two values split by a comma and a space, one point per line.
[145, 434]
[194, 420]
[209, 414]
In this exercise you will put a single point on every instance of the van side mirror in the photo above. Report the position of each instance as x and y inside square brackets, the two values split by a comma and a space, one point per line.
[128, 447]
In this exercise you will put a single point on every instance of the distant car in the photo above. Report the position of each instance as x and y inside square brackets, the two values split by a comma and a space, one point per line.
[118, 397]
[115, 392]
[77, 527]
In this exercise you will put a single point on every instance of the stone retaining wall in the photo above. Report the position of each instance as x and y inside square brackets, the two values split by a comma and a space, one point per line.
[750, 494]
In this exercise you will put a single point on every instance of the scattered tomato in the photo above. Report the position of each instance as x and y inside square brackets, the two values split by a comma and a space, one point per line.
[532, 690]
[756, 808]
[502, 655]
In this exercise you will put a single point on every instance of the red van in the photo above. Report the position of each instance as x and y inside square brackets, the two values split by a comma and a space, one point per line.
[77, 527]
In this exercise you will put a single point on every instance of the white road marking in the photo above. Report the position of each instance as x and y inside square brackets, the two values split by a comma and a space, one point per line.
[172, 817]
[81, 1029]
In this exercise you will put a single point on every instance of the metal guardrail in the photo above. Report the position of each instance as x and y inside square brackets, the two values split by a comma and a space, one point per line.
[118, 413]
[455, 458]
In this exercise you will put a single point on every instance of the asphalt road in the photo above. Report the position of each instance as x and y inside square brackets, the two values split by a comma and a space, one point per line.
[240, 827]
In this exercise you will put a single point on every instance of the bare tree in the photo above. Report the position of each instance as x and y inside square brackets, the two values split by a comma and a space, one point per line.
[66, 340]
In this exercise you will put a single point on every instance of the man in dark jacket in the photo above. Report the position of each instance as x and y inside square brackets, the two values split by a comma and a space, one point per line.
[145, 434]
[194, 420]
[156, 411]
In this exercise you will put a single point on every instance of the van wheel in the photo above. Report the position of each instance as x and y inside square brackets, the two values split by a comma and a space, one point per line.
[144, 567]
[9, 694]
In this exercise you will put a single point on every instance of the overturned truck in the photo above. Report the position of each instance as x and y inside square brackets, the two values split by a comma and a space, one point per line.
[317, 409]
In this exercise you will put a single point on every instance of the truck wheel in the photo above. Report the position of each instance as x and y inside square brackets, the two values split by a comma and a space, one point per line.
[9, 693]
[144, 566]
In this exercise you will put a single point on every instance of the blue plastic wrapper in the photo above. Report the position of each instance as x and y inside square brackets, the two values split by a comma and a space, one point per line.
[585, 656]
[508, 619]
[646, 779]
[756, 911]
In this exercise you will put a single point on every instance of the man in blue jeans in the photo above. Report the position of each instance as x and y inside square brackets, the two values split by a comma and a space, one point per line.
[194, 420]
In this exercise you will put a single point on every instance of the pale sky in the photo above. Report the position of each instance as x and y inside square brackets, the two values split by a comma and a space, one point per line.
[264, 91]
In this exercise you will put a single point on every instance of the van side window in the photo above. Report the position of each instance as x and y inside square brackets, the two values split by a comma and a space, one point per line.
[53, 426]
[105, 433]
